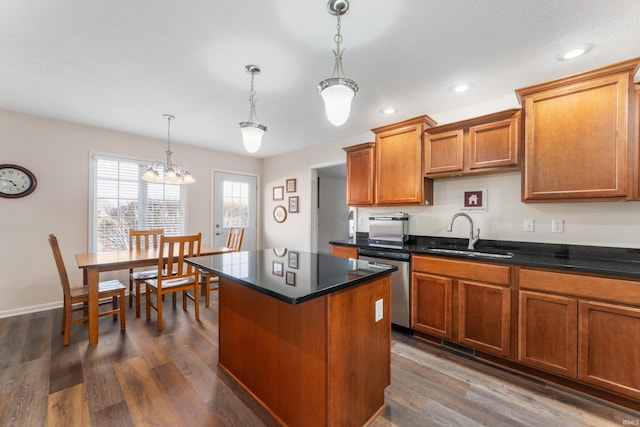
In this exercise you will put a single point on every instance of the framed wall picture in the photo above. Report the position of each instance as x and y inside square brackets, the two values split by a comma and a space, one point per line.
[291, 185]
[293, 259]
[280, 214]
[293, 204]
[290, 279]
[277, 268]
[473, 200]
[278, 193]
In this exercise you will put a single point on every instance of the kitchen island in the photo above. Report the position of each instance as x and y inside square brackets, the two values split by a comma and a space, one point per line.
[307, 335]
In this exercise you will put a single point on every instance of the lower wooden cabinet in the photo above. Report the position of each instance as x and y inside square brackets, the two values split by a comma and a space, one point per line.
[484, 315]
[463, 301]
[609, 347]
[548, 332]
[563, 329]
[344, 251]
[431, 299]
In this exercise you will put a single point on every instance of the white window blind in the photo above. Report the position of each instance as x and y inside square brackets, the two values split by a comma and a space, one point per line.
[123, 201]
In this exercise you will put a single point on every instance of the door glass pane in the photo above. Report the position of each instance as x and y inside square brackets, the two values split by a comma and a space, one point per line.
[235, 209]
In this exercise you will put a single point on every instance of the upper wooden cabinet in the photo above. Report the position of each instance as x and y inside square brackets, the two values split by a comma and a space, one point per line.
[579, 136]
[360, 174]
[398, 158]
[485, 144]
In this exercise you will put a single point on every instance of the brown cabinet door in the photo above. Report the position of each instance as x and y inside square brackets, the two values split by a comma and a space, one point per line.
[609, 343]
[548, 332]
[344, 251]
[360, 174]
[444, 152]
[484, 317]
[431, 304]
[577, 140]
[494, 144]
[399, 179]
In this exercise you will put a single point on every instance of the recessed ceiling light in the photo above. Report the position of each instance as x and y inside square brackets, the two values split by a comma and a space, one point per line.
[462, 87]
[389, 110]
[574, 52]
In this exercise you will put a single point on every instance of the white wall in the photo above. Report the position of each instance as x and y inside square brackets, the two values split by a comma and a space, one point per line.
[58, 154]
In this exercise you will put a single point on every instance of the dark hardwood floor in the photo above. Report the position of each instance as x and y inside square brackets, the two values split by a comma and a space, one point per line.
[145, 378]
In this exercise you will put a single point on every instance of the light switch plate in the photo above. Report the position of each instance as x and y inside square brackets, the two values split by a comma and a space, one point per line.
[528, 225]
[557, 225]
[379, 310]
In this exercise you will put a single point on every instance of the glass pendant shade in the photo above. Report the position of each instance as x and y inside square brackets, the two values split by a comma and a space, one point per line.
[252, 136]
[337, 92]
[252, 130]
[337, 98]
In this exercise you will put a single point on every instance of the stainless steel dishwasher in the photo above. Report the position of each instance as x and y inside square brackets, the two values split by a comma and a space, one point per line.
[400, 279]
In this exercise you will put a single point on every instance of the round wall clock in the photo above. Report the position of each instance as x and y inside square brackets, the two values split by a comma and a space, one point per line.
[279, 213]
[16, 181]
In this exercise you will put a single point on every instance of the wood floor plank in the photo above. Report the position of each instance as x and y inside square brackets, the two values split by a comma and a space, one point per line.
[25, 386]
[146, 403]
[68, 408]
[189, 406]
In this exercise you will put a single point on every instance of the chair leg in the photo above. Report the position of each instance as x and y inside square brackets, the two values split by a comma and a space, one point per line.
[207, 289]
[131, 293]
[64, 311]
[148, 302]
[159, 309]
[67, 324]
[174, 298]
[137, 299]
[184, 300]
[123, 310]
[114, 305]
[196, 299]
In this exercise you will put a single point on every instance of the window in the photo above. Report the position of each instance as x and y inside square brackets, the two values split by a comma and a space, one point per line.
[235, 209]
[121, 201]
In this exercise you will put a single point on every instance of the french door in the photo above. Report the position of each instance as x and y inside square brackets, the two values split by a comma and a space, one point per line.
[234, 205]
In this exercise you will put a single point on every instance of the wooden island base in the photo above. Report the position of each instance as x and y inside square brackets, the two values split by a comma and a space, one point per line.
[323, 362]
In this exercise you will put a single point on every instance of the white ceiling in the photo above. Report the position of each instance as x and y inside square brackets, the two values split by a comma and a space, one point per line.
[121, 65]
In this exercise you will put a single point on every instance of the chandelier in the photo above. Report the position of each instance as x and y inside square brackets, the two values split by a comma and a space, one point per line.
[252, 130]
[174, 173]
[337, 91]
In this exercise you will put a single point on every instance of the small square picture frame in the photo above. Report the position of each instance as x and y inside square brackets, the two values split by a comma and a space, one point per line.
[291, 185]
[277, 268]
[290, 278]
[293, 259]
[293, 204]
[278, 192]
[474, 200]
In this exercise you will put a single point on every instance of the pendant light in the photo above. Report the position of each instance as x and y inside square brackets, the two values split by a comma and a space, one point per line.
[174, 173]
[252, 130]
[337, 91]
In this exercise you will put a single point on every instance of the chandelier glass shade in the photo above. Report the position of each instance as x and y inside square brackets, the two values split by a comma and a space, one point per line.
[252, 130]
[173, 173]
[337, 92]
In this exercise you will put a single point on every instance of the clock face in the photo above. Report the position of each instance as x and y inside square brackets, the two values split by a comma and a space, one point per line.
[16, 181]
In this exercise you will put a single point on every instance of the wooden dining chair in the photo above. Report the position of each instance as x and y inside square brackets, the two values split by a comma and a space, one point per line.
[234, 241]
[174, 274]
[141, 239]
[74, 295]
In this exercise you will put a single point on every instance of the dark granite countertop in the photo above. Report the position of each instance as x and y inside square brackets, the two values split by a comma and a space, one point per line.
[290, 276]
[609, 261]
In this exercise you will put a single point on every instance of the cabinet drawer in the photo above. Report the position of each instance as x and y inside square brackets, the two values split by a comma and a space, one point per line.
[617, 290]
[491, 273]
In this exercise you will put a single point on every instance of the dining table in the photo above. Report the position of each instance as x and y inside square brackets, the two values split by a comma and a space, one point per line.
[94, 263]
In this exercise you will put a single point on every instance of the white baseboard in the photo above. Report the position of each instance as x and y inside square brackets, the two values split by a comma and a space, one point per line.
[30, 309]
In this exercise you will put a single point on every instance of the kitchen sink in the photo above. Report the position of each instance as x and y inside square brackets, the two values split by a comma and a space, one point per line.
[471, 253]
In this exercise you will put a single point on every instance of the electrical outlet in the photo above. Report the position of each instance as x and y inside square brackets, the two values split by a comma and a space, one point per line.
[413, 222]
[379, 310]
[528, 225]
[360, 221]
[557, 225]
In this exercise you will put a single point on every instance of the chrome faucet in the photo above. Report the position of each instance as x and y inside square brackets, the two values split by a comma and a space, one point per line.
[472, 239]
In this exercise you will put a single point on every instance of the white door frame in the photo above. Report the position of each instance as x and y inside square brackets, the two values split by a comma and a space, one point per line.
[212, 228]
